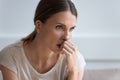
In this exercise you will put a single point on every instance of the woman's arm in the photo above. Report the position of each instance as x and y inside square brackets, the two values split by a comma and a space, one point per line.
[71, 58]
[75, 75]
[8, 74]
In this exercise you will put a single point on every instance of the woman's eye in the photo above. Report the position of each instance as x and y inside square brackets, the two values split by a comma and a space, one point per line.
[72, 29]
[59, 27]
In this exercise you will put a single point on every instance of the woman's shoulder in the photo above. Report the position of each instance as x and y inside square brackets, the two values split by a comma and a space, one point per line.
[9, 56]
[79, 54]
[11, 48]
[80, 60]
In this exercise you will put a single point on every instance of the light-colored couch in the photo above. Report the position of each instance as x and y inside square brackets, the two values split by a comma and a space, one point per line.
[101, 74]
[1, 76]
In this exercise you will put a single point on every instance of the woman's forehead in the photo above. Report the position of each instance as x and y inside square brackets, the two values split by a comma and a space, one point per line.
[64, 17]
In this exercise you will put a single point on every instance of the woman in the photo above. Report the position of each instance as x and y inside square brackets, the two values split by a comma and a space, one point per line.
[47, 53]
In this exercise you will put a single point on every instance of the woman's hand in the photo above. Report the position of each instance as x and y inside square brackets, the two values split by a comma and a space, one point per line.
[71, 58]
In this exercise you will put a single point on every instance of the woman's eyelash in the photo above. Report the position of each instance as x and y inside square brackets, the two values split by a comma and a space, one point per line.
[59, 27]
[72, 28]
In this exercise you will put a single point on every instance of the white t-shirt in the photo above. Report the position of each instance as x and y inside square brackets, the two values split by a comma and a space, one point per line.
[13, 58]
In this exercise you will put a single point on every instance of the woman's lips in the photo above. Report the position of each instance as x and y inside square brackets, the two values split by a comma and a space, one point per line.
[60, 45]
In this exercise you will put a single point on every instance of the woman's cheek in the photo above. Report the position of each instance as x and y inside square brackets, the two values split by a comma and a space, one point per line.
[59, 33]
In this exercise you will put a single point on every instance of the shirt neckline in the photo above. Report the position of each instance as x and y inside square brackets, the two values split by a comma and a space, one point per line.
[39, 74]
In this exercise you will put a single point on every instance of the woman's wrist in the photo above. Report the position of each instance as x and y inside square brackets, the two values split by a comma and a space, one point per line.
[73, 70]
[73, 75]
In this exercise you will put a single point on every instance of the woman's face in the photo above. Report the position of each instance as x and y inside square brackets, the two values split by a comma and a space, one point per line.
[57, 29]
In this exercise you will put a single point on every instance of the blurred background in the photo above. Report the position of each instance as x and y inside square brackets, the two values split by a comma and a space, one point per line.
[97, 34]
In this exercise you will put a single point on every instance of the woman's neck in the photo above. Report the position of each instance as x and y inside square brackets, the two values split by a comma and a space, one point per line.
[41, 58]
[39, 53]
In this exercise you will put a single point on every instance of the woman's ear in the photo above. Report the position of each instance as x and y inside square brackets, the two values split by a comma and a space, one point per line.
[38, 25]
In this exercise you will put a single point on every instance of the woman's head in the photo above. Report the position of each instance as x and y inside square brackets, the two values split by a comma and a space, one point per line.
[48, 8]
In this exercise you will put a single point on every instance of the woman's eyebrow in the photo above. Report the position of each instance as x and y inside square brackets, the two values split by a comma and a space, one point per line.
[61, 24]
[65, 25]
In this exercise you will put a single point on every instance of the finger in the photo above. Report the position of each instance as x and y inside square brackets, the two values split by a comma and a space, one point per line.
[66, 47]
[70, 45]
[67, 53]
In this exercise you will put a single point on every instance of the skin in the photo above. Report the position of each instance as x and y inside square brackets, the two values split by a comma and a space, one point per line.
[56, 30]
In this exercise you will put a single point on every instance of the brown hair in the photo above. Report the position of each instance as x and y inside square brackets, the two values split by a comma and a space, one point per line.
[47, 8]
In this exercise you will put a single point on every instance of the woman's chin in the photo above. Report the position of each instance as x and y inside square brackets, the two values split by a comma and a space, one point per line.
[58, 51]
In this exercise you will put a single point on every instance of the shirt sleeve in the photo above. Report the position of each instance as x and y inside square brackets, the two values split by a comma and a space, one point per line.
[7, 59]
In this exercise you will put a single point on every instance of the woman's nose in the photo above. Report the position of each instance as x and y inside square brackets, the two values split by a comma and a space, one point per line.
[67, 36]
